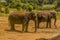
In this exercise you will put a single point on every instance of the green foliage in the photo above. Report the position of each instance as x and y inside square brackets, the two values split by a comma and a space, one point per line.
[58, 9]
[36, 7]
[40, 2]
[18, 6]
[24, 6]
[4, 15]
[55, 3]
[48, 7]
[58, 3]
[58, 15]
[30, 7]
[31, 4]
[6, 10]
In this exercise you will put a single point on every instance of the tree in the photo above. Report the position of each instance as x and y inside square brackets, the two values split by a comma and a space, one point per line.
[51, 1]
[30, 7]
[6, 10]
[58, 2]
[40, 2]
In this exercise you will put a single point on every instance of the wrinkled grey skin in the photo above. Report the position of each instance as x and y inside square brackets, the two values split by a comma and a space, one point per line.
[42, 17]
[24, 19]
[21, 19]
[53, 15]
[32, 16]
[16, 19]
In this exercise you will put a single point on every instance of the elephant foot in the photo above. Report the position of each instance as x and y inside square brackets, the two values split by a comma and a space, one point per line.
[55, 27]
[12, 29]
[34, 31]
[22, 31]
[38, 27]
[26, 31]
[46, 27]
[49, 27]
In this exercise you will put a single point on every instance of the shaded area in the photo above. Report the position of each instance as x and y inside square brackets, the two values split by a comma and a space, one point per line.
[56, 38]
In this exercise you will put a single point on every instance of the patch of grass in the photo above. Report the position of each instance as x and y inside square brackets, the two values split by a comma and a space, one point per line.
[3, 15]
[58, 15]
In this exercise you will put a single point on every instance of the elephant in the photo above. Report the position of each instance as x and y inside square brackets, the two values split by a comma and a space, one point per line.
[16, 18]
[46, 15]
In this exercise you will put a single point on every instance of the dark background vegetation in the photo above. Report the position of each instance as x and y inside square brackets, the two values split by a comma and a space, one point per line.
[7, 5]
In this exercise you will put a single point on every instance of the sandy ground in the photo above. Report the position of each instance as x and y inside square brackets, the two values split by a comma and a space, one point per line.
[17, 35]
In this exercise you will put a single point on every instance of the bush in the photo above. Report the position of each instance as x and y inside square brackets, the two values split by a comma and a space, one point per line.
[30, 7]
[39, 7]
[6, 10]
[24, 6]
[35, 6]
[12, 5]
[18, 6]
[58, 9]
[58, 15]
[48, 7]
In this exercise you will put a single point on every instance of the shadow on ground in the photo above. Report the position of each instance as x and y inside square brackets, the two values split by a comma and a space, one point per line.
[54, 38]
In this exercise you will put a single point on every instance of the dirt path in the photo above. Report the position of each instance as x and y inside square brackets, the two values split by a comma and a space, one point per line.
[17, 35]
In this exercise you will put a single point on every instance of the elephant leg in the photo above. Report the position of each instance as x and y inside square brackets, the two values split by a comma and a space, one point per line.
[36, 26]
[55, 23]
[47, 24]
[50, 23]
[23, 26]
[12, 27]
[26, 28]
